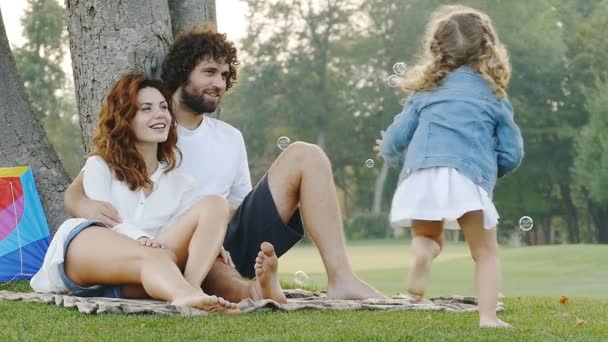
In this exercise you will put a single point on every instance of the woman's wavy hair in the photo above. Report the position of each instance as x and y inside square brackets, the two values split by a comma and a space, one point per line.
[193, 45]
[457, 35]
[114, 140]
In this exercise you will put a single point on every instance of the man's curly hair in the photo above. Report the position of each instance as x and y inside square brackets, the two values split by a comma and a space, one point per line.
[191, 46]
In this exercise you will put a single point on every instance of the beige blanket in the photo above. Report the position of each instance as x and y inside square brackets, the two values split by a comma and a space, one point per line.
[297, 300]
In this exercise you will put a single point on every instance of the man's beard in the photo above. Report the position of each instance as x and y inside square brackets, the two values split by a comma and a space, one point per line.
[196, 104]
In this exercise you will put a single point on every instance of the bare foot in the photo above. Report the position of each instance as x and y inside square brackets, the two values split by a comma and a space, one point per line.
[208, 303]
[494, 324]
[425, 250]
[354, 288]
[267, 285]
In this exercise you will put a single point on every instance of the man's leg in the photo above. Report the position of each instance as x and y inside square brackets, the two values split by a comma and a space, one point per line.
[225, 279]
[302, 176]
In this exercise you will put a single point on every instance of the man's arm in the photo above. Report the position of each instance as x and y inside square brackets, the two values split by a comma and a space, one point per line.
[77, 204]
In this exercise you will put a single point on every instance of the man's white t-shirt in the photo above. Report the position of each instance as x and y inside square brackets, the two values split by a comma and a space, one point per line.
[215, 154]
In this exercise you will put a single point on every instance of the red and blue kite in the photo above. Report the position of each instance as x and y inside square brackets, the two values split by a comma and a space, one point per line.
[24, 232]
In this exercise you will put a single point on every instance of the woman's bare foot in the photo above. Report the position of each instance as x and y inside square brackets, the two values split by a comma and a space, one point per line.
[352, 288]
[208, 303]
[497, 323]
[267, 285]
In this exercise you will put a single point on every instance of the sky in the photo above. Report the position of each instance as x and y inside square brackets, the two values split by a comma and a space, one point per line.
[230, 18]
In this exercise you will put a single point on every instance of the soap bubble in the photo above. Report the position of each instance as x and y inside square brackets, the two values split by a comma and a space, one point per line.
[393, 81]
[369, 163]
[283, 142]
[399, 68]
[300, 278]
[526, 223]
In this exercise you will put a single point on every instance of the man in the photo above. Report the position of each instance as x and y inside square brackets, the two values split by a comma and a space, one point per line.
[296, 195]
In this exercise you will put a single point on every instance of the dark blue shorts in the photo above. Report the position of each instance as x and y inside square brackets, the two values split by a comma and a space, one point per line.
[111, 291]
[255, 221]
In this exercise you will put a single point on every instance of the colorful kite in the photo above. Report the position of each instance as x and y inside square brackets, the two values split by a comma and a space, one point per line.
[24, 232]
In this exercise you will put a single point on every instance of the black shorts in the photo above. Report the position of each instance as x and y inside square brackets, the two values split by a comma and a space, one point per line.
[255, 221]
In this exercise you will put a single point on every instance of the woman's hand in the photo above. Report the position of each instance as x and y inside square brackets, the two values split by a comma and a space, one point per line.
[147, 242]
[225, 255]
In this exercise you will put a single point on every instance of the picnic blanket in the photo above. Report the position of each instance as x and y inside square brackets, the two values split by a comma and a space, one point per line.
[297, 300]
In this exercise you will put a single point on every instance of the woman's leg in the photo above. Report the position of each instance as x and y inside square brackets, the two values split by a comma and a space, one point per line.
[197, 237]
[483, 246]
[100, 256]
[427, 241]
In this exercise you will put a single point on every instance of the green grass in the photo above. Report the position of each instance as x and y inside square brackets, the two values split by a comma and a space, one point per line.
[534, 280]
[548, 271]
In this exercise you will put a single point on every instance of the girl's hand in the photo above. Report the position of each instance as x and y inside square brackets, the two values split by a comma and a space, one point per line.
[144, 241]
[378, 146]
[225, 255]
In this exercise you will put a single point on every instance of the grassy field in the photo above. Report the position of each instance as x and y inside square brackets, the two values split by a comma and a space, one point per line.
[535, 278]
[572, 270]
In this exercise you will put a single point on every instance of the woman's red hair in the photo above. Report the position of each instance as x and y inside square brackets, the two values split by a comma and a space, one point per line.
[114, 140]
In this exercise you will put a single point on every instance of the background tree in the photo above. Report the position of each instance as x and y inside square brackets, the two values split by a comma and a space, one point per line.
[23, 141]
[39, 62]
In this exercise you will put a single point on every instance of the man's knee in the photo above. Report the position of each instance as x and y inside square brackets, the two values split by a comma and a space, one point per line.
[306, 154]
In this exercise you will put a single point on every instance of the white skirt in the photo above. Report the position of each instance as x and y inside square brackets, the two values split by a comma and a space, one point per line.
[440, 193]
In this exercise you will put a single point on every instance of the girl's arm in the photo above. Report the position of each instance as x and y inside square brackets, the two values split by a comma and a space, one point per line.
[399, 134]
[509, 142]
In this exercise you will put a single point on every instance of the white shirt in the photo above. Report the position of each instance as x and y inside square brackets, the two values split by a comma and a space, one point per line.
[215, 154]
[173, 194]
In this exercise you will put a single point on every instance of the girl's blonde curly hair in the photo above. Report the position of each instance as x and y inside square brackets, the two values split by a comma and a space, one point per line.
[457, 35]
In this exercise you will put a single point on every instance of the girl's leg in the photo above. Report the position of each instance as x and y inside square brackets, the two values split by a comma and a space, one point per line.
[483, 246]
[100, 256]
[427, 241]
[197, 237]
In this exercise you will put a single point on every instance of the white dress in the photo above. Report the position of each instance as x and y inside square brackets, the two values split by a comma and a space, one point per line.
[440, 193]
[174, 193]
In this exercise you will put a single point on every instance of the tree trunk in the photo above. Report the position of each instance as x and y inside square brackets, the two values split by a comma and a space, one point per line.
[571, 214]
[379, 188]
[599, 215]
[191, 12]
[108, 39]
[23, 141]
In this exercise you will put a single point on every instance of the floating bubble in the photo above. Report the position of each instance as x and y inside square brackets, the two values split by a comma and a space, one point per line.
[399, 68]
[300, 278]
[393, 81]
[369, 163]
[283, 142]
[526, 223]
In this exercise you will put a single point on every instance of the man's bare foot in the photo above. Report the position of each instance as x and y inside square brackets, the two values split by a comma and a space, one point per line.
[497, 323]
[267, 285]
[208, 303]
[353, 288]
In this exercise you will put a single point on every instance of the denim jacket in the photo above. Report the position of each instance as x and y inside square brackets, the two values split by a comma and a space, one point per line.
[461, 124]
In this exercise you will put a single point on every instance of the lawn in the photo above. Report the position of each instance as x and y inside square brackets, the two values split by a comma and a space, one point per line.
[535, 278]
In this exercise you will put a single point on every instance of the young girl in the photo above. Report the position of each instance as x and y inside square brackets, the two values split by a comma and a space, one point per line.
[458, 129]
[164, 231]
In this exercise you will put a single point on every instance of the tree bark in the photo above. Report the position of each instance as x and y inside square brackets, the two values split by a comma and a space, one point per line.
[23, 141]
[111, 38]
[191, 12]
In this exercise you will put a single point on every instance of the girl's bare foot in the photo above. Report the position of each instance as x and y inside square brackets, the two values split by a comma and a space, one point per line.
[208, 303]
[497, 323]
[267, 285]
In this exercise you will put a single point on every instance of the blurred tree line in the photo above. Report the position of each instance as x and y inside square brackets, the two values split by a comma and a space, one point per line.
[316, 71]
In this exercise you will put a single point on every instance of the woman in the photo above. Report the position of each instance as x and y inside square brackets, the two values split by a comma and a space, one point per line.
[164, 230]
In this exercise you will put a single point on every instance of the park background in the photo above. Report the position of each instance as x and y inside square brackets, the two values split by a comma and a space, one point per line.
[316, 71]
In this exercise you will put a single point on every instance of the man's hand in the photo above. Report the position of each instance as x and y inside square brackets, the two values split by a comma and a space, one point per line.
[144, 241]
[378, 146]
[225, 255]
[99, 211]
